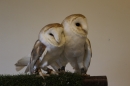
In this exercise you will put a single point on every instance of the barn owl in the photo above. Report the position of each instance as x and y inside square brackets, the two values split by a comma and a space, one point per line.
[50, 43]
[77, 47]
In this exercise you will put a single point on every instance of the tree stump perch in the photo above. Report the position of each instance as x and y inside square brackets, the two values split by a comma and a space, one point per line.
[95, 81]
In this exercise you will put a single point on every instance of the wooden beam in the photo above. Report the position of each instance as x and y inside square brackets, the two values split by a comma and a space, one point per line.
[95, 81]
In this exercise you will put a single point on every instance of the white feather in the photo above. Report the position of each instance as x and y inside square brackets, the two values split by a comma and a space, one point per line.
[22, 63]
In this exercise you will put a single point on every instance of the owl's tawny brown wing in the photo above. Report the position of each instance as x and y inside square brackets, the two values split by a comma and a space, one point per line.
[36, 53]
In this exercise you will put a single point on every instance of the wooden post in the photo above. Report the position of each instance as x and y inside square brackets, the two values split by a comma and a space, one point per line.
[95, 81]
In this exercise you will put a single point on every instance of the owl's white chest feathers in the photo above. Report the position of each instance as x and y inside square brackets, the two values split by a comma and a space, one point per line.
[55, 51]
[74, 46]
[52, 54]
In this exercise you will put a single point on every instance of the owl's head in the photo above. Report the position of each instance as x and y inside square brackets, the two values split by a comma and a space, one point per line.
[52, 35]
[76, 23]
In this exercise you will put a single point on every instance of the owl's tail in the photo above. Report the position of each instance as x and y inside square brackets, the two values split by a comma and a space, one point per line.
[22, 63]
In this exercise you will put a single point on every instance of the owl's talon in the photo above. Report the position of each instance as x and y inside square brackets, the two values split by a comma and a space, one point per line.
[50, 71]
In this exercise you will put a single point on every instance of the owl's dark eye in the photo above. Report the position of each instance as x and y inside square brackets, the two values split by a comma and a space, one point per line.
[77, 24]
[51, 34]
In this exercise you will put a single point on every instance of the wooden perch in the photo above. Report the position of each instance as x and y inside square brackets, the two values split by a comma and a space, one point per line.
[95, 81]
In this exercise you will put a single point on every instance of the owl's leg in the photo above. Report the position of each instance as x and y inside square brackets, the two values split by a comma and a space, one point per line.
[63, 62]
[55, 66]
[83, 71]
[45, 68]
[80, 62]
[41, 73]
[73, 63]
[63, 68]
[50, 71]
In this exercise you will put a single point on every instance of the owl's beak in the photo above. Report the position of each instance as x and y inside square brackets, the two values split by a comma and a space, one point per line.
[58, 41]
[85, 31]
[58, 38]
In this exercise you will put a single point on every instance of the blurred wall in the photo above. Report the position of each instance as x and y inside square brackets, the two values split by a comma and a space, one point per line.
[109, 32]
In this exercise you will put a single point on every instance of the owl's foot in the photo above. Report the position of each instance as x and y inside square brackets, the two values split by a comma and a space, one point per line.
[41, 74]
[86, 75]
[83, 71]
[61, 70]
[50, 71]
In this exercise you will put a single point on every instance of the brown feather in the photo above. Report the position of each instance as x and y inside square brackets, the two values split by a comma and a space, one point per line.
[36, 53]
[50, 26]
[72, 17]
